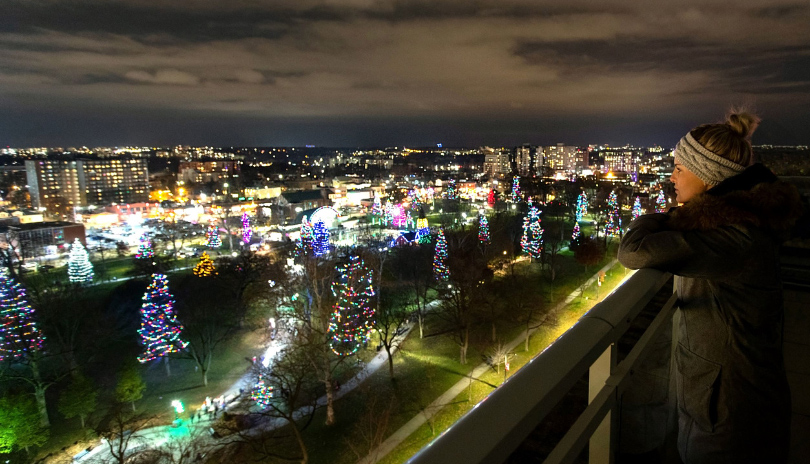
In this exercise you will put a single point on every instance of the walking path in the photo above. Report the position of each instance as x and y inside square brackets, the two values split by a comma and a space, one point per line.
[447, 397]
[157, 436]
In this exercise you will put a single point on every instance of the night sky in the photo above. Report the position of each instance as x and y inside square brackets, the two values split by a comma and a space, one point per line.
[393, 73]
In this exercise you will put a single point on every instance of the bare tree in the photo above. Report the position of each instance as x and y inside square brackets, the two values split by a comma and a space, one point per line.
[373, 426]
[120, 430]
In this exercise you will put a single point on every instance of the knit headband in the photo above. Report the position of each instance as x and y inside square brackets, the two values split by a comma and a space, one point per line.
[707, 166]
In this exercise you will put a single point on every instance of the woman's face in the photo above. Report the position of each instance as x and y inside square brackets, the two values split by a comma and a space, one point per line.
[687, 185]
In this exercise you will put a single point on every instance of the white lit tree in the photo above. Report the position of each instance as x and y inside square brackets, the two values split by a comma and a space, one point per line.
[80, 269]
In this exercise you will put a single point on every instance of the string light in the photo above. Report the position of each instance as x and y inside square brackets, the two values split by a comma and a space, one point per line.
[205, 267]
[80, 269]
[532, 239]
[661, 202]
[145, 250]
[440, 270]
[483, 230]
[614, 218]
[19, 334]
[247, 232]
[637, 210]
[160, 329]
[516, 189]
[212, 237]
[582, 206]
[352, 314]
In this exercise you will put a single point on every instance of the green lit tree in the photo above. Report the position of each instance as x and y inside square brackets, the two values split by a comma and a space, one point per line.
[78, 400]
[130, 386]
[19, 427]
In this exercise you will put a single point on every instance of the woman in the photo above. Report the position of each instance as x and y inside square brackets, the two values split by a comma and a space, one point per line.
[723, 247]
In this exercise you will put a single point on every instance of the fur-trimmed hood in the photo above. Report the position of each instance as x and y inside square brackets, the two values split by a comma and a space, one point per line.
[755, 197]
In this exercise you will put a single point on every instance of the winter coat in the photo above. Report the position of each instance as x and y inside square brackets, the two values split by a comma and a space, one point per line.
[723, 247]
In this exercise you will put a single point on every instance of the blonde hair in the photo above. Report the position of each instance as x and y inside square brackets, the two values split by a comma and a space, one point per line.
[731, 139]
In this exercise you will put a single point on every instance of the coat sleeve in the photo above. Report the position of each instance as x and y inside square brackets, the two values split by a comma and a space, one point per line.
[715, 253]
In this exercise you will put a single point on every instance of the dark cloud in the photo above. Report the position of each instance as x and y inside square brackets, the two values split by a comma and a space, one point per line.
[489, 70]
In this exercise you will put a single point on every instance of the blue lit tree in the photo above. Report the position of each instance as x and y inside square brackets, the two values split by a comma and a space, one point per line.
[582, 206]
[320, 242]
[212, 237]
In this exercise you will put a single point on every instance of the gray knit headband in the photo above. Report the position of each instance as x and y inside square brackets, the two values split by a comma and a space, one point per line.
[707, 166]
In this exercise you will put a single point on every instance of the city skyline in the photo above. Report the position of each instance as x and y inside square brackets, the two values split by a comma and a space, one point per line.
[393, 73]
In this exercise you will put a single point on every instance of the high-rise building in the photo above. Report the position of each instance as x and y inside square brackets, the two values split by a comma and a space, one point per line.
[496, 162]
[620, 160]
[565, 158]
[87, 182]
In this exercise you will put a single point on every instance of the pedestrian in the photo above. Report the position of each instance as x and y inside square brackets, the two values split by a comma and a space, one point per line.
[723, 247]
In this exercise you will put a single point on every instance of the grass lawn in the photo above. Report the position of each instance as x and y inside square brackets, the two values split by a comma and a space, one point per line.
[426, 368]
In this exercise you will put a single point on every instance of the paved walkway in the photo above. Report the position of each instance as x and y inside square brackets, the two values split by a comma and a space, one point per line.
[447, 397]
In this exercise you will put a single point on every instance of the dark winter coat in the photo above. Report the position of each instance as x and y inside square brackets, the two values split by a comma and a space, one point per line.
[723, 246]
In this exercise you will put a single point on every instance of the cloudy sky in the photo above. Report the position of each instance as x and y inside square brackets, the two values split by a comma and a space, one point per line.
[397, 72]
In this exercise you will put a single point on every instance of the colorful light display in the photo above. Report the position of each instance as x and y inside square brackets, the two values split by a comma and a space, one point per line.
[440, 270]
[637, 210]
[19, 334]
[532, 239]
[262, 393]
[145, 250]
[450, 193]
[422, 229]
[483, 230]
[515, 189]
[352, 314]
[661, 202]
[576, 233]
[305, 240]
[160, 330]
[614, 217]
[582, 206]
[212, 239]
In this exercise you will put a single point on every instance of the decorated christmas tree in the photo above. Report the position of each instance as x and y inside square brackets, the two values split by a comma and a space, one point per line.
[19, 334]
[160, 330]
[661, 202]
[582, 206]
[145, 250]
[637, 211]
[352, 315]
[205, 267]
[515, 189]
[440, 270]
[304, 245]
[262, 393]
[212, 239]
[422, 230]
[614, 218]
[320, 239]
[483, 230]
[247, 232]
[376, 208]
[451, 193]
[575, 235]
[80, 269]
[532, 239]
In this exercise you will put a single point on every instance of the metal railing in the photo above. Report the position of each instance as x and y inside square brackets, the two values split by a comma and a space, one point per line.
[495, 427]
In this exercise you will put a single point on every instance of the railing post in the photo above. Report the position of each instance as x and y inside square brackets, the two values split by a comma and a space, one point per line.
[600, 449]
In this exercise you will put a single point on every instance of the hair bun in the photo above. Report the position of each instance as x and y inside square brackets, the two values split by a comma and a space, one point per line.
[742, 122]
